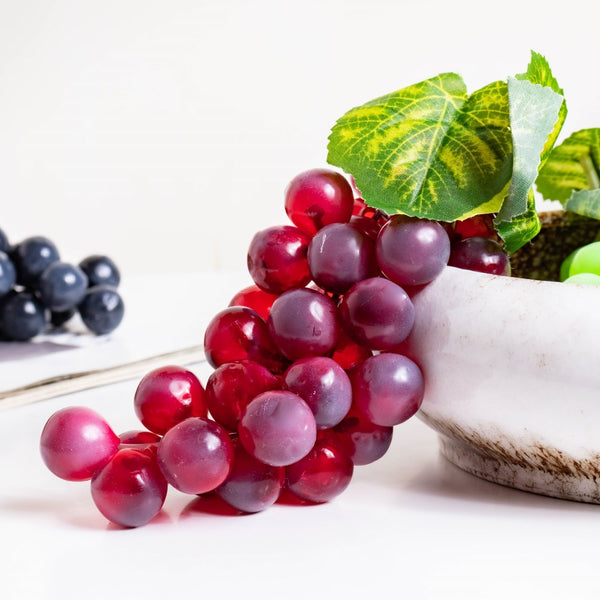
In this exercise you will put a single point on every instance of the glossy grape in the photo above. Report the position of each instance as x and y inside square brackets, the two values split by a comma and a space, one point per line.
[476, 226]
[239, 333]
[387, 388]
[278, 428]
[32, 256]
[168, 395]
[22, 316]
[323, 385]
[8, 274]
[102, 309]
[134, 437]
[324, 473]
[251, 486]
[130, 490]
[76, 442]
[232, 386]
[377, 313]
[363, 441]
[62, 286]
[339, 255]
[277, 259]
[100, 270]
[304, 323]
[348, 353]
[318, 197]
[368, 227]
[195, 456]
[412, 251]
[480, 254]
[256, 299]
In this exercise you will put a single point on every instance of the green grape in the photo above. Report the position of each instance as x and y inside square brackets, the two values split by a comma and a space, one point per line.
[583, 260]
[584, 279]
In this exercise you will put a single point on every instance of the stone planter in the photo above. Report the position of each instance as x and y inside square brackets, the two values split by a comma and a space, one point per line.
[512, 369]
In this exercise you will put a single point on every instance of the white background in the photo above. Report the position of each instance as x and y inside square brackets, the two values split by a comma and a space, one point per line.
[164, 132]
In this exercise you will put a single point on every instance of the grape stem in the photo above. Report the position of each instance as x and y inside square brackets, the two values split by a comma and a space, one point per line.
[591, 173]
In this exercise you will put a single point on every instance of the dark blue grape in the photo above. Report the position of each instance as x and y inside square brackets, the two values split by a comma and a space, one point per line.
[62, 286]
[102, 309]
[32, 256]
[8, 274]
[100, 270]
[4, 243]
[22, 316]
[60, 317]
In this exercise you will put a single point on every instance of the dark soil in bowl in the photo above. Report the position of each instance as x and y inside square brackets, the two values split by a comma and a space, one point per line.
[562, 232]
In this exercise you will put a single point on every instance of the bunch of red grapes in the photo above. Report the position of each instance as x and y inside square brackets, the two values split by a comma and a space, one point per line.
[310, 376]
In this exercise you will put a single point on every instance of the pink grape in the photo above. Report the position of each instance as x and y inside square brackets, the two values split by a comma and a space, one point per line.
[377, 313]
[195, 456]
[339, 255]
[304, 323]
[251, 486]
[363, 441]
[76, 442]
[387, 388]
[130, 490]
[412, 251]
[278, 428]
[323, 385]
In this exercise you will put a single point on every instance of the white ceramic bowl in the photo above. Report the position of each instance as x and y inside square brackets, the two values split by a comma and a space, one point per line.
[512, 371]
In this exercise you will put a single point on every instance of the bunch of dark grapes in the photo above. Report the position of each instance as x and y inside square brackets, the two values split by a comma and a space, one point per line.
[39, 291]
[309, 378]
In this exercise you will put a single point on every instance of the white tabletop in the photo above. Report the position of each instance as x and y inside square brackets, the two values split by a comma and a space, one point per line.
[409, 525]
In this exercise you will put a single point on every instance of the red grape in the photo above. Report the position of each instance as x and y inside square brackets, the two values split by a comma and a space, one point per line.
[317, 198]
[130, 490]
[167, 396]
[324, 473]
[256, 299]
[232, 386]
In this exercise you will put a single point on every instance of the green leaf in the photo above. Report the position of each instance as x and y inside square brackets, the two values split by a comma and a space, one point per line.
[538, 71]
[571, 166]
[585, 203]
[427, 150]
[534, 111]
[522, 228]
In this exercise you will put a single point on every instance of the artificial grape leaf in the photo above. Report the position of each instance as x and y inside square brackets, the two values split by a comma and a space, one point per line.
[428, 150]
[585, 203]
[522, 228]
[571, 166]
[533, 113]
[538, 71]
